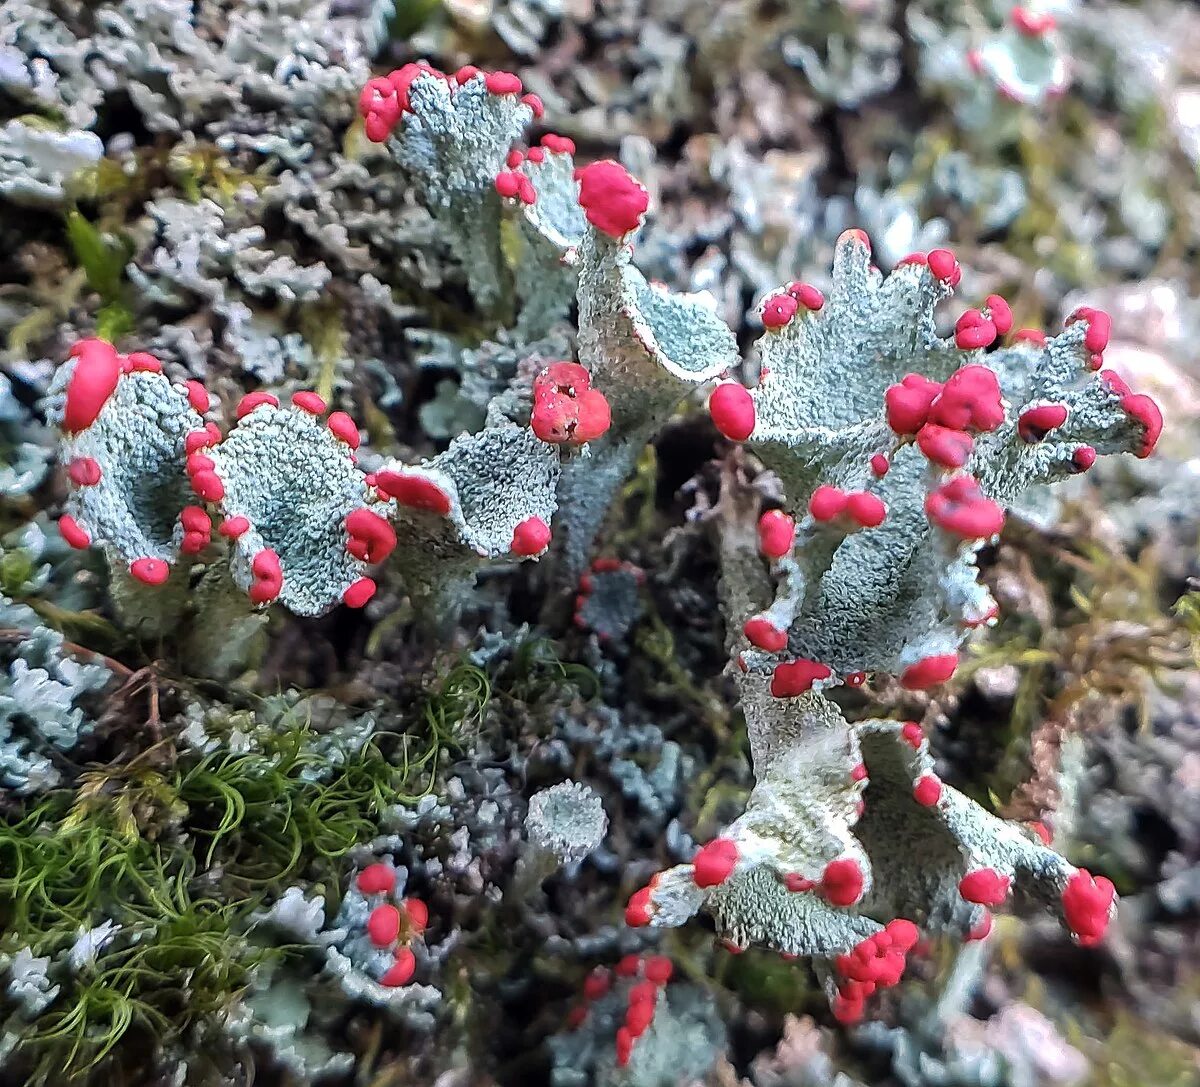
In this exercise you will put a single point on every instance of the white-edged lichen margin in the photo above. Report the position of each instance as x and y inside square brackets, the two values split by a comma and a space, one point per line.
[566, 820]
[899, 448]
[645, 346]
[124, 431]
[847, 835]
[304, 522]
[452, 135]
[490, 495]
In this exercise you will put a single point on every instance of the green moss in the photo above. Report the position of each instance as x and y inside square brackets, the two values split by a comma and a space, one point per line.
[179, 855]
[1135, 1054]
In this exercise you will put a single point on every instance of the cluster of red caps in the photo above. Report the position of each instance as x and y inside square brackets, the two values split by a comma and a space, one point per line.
[648, 976]
[369, 536]
[390, 926]
[513, 183]
[384, 100]
[872, 964]
[566, 409]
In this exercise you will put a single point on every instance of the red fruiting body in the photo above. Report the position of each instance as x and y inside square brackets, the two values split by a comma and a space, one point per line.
[960, 507]
[856, 679]
[1030, 335]
[342, 427]
[197, 396]
[466, 72]
[417, 913]
[846, 1011]
[380, 109]
[502, 83]
[309, 401]
[233, 527]
[84, 471]
[880, 464]
[929, 672]
[842, 882]
[826, 503]
[985, 887]
[944, 266]
[383, 925]
[859, 235]
[537, 154]
[796, 883]
[765, 635]
[973, 330]
[1083, 458]
[535, 104]
[565, 407]
[732, 409]
[658, 969]
[904, 934]
[198, 462]
[150, 571]
[597, 983]
[208, 486]
[859, 773]
[946, 447]
[1001, 313]
[1088, 906]
[377, 879]
[199, 439]
[865, 509]
[372, 538]
[531, 537]
[414, 491]
[613, 200]
[268, 577]
[73, 532]
[384, 100]
[1099, 328]
[644, 992]
[359, 592]
[624, 1046]
[637, 910]
[1146, 412]
[197, 530]
[807, 295]
[875, 963]
[638, 1017]
[514, 159]
[776, 534]
[795, 677]
[1031, 24]
[907, 403]
[778, 310]
[1115, 382]
[1034, 424]
[508, 184]
[628, 966]
[401, 971]
[714, 863]
[1042, 831]
[927, 791]
[254, 400]
[982, 929]
[969, 399]
[93, 380]
[142, 362]
[913, 258]
[562, 145]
